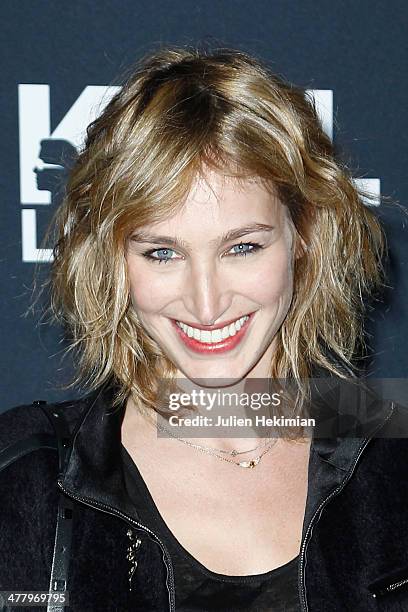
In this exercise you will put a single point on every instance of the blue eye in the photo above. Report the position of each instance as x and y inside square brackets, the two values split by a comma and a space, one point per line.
[163, 255]
[246, 248]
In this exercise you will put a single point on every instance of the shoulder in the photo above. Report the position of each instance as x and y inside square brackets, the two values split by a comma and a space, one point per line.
[390, 444]
[396, 425]
[382, 467]
[34, 420]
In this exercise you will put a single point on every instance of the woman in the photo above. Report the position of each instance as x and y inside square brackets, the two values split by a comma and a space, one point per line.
[208, 238]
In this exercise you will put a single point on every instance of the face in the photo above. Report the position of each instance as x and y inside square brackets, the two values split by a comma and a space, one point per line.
[212, 285]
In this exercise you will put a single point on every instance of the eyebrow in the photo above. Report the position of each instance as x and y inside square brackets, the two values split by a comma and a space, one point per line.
[143, 237]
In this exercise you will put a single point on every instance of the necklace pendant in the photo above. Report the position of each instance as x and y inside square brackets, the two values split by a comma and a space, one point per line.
[249, 464]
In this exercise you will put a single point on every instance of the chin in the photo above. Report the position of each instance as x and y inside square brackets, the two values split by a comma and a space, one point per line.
[214, 383]
[211, 377]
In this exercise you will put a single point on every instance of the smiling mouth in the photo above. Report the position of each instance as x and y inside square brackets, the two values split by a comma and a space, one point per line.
[215, 335]
[220, 339]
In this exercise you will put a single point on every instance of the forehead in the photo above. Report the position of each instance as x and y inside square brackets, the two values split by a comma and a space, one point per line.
[216, 199]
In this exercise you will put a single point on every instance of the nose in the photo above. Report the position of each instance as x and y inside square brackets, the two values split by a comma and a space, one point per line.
[207, 293]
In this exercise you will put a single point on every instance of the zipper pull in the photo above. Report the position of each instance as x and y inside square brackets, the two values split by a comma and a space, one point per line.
[389, 583]
[134, 545]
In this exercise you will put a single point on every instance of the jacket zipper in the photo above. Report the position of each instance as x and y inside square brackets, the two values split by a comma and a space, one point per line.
[113, 511]
[318, 513]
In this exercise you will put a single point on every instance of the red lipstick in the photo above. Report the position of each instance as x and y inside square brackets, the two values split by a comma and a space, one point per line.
[226, 344]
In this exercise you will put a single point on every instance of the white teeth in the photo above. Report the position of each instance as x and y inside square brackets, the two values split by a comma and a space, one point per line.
[214, 336]
[232, 330]
[205, 336]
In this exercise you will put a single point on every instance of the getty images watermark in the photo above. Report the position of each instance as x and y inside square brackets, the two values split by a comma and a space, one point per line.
[220, 399]
[222, 408]
[331, 408]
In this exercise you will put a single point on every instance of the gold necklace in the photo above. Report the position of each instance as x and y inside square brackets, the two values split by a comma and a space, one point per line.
[214, 452]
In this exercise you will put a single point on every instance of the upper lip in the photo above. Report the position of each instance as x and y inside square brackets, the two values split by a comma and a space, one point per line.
[211, 327]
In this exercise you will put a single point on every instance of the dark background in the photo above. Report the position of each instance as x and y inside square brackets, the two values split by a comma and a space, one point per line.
[358, 50]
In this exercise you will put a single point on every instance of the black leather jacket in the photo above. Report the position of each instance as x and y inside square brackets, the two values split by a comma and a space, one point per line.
[355, 535]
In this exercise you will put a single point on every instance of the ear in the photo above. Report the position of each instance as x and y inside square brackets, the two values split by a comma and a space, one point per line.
[301, 247]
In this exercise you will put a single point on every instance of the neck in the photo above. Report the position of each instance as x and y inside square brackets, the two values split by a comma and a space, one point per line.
[221, 418]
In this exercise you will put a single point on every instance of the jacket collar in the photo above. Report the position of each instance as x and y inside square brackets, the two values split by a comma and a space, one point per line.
[94, 471]
[347, 418]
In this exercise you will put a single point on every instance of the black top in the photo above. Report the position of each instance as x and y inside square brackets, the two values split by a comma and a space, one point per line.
[199, 589]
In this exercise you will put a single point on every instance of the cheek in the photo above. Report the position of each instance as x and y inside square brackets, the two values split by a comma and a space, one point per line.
[272, 281]
[144, 290]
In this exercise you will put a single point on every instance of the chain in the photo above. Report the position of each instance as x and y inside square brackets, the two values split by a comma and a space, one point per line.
[214, 452]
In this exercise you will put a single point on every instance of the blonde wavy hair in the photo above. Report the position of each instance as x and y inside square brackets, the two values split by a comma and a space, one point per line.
[180, 110]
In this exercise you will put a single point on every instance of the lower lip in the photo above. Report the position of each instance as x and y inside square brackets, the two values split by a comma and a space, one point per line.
[217, 347]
